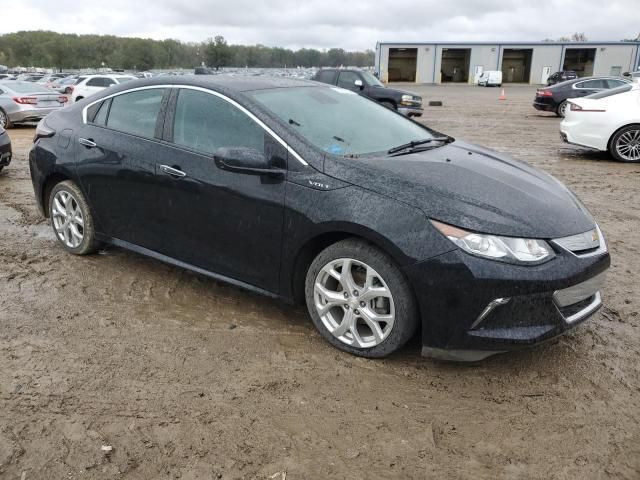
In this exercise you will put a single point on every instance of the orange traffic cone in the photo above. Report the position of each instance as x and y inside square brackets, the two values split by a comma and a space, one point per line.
[502, 95]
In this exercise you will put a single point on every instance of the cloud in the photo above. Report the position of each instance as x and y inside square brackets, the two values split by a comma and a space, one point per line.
[352, 25]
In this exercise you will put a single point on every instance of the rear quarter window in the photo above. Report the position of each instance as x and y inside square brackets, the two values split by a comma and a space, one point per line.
[326, 76]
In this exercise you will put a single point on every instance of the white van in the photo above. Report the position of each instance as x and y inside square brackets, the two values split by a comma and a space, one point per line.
[490, 78]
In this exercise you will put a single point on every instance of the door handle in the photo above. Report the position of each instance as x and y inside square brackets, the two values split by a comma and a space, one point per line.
[87, 142]
[174, 172]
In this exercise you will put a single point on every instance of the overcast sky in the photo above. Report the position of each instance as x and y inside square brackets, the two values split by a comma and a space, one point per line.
[350, 24]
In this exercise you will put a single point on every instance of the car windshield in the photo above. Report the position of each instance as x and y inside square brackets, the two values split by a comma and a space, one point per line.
[339, 121]
[613, 91]
[28, 87]
[371, 79]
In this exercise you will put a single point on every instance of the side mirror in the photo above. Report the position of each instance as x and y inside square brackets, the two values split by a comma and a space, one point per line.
[244, 160]
[359, 84]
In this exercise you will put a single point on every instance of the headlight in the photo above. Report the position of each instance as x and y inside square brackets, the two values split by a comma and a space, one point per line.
[507, 249]
[410, 100]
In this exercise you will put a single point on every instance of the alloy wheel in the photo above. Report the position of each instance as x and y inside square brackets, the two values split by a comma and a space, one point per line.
[354, 303]
[68, 220]
[3, 119]
[628, 145]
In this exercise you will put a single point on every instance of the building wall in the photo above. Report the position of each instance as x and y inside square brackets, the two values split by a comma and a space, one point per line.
[489, 57]
[619, 56]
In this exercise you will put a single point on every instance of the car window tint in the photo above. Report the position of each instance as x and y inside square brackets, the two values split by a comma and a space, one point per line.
[593, 84]
[136, 112]
[609, 93]
[91, 111]
[109, 81]
[347, 79]
[204, 122]
[326, 76]
[615, 83]
[101, 117]
[95, 82]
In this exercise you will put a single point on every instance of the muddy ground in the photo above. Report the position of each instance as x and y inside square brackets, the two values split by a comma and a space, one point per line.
[189, 378]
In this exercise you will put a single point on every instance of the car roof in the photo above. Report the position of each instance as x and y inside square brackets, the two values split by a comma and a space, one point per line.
[235, 83]
[582, 79]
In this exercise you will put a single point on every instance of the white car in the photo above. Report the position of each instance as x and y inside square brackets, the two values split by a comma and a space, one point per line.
[87, 85]
[606, 121]
[489, 78]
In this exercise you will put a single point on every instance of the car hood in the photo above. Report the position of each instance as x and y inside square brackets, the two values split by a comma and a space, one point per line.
[473, 188]
[397, 91]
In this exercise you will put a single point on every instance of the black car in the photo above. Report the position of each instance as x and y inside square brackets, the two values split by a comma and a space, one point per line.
[554, 98]
[367, 85]
[308, 192]
[5, 148]
[561, 76]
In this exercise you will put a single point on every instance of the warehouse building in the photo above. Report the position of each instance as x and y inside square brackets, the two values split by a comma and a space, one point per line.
[446, 62]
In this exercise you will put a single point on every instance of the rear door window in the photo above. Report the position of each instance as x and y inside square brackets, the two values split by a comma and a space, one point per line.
[326, 76]
[95, 82]
[592, 84]
[136, 113]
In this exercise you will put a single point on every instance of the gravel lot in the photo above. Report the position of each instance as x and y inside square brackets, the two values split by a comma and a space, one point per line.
[189, 378]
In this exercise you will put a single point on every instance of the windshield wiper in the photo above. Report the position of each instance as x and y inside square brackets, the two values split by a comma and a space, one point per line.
[411, 145]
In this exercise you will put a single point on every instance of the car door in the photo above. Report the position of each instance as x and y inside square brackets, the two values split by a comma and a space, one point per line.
[116, 152]
[222, 221]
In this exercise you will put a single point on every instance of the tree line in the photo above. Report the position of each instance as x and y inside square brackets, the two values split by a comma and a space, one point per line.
[71, 51]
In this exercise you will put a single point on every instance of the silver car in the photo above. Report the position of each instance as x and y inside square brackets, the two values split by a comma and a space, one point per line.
[22, 102]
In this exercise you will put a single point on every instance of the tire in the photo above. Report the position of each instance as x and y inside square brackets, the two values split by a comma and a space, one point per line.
[4, 120]
[624, 145]
[76, 235]
[68, 91]
[389, 105]
[562, 108]
[343, 310]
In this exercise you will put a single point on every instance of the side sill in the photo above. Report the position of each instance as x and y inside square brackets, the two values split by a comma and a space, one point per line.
[187, 266]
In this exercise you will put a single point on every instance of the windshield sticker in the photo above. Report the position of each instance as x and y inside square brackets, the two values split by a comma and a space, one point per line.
[335, 149]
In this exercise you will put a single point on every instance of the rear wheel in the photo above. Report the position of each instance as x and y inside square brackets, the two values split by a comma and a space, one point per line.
[4, 120]
[71, 219]
[625, 144]
[359, 300]
[561, 111]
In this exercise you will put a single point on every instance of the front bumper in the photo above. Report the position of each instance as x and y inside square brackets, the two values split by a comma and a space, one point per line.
[411, 111]
[463, 317]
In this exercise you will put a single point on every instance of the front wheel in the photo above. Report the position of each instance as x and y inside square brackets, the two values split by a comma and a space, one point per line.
[359, 300]
[71, 219]
[4, 120]
[625, 144]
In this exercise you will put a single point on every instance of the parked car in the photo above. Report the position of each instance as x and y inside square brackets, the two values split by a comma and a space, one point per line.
[49, 80]
[87, 85]
[367, 85]
[65, 85]
[606, 121]
[633, 76]
[490, 78]
[29, 77]
[22, 102]
[308, 192]
[6, 76]
[5, 148]
[555, 98]
[561, 76]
